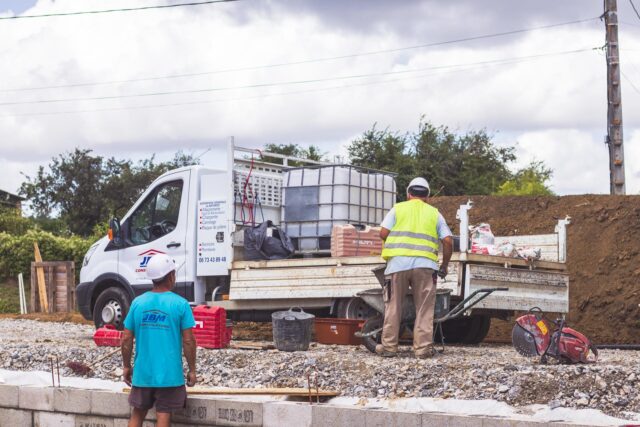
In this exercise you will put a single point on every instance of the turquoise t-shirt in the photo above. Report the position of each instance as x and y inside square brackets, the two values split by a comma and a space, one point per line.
[157, 320]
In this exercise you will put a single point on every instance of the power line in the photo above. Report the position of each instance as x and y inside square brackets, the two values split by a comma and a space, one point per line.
[309, 61]
[468, 68]
[128, 9]
[629, 81]
[634, 8]
[285, 83]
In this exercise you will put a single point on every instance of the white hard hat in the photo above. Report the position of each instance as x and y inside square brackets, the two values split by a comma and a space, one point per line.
[159, 266]
[419, 182]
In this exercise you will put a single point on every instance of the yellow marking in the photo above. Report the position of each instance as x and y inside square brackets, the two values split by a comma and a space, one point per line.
[543, 327]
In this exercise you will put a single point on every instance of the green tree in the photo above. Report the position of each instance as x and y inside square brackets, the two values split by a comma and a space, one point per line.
[460, 164]
[454, 164]
[387, 151]
[312, 152]
[529, 181]
[81, 189]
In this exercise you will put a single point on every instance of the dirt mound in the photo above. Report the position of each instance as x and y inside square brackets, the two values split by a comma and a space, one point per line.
[603, 254]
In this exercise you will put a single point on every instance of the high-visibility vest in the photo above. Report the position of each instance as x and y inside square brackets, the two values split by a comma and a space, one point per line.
[415, 232]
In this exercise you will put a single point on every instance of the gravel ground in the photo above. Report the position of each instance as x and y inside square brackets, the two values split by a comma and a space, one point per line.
[481, 372]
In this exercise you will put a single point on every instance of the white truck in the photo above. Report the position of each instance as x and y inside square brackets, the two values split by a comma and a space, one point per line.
[192, 214]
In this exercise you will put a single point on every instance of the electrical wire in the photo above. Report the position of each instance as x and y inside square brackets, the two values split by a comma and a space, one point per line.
[630, 82]
[634, 8]
[284, 83]
[268, 95]
[306, 61]
[127, 9]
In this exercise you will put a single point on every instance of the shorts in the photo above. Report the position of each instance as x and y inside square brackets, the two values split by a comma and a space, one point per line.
[166, 399]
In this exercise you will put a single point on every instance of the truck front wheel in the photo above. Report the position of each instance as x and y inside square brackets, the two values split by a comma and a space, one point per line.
[111, 307]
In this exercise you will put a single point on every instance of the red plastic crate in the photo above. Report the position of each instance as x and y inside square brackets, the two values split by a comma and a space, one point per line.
[210, 330]
[107, 336]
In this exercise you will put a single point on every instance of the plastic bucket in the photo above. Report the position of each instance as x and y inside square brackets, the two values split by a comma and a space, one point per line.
[292, 329]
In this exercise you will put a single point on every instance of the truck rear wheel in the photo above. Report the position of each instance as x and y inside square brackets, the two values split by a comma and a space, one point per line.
[354, 308]
[111, 307]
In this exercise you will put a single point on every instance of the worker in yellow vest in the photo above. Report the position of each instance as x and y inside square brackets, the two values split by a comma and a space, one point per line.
[411, 232]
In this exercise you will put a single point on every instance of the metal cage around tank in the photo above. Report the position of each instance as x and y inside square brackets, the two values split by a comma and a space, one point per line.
[315, 198]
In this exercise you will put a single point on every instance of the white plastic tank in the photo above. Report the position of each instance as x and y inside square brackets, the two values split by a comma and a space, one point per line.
[316, 198]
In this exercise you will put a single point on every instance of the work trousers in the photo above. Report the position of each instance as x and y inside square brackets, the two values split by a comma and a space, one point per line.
[424, 297]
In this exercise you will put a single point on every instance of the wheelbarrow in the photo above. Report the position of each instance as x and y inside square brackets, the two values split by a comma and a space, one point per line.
[372, 329]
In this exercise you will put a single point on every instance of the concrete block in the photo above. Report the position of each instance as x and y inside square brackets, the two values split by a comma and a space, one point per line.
[198, 411]
[53, 419]
[38, 398]
[438, 419]
[335, 416]
[280, 414]
[110, 403]
[73, 400]
[121, 422]
[238, 413]
[497, 422]
[9, 396]
[15, 417]
[91, 421]
[382, 418]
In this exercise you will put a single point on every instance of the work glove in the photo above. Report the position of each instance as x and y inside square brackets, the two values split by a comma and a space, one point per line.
[442, 272]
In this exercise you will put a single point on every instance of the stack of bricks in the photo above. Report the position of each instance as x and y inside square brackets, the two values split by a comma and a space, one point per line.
[348, 240]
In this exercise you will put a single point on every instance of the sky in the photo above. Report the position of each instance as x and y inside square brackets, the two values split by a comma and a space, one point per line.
[133, 84]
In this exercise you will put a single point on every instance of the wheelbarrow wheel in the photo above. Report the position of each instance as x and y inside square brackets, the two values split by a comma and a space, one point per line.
[372, 324]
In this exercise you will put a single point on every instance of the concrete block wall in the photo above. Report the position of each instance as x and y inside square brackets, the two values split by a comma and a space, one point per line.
[22, 406]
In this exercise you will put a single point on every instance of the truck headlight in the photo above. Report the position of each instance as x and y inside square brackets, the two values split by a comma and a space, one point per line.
[87, 256]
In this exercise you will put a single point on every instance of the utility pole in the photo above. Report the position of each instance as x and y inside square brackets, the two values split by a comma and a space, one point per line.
[614, 100]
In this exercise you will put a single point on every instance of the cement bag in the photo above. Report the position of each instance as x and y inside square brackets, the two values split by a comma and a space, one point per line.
[482, 240]
[266, 241]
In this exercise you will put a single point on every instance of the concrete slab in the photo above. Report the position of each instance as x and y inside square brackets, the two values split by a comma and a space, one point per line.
[73, 400]
[110, 403]
[337, 416]
[92, 421]
[37, 398]
[15, 417]
[198, 411]
[53, 419]
[238, 413]
[278, 414]
[381, 418]
[121, 422]
[9, 396]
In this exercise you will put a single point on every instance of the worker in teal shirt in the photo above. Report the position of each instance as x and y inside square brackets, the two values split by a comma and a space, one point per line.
[161, 323]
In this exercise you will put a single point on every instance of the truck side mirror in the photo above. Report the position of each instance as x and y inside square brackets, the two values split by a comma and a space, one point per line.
[114, 231]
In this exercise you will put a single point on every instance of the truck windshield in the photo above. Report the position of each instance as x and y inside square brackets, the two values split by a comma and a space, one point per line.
[157, 215]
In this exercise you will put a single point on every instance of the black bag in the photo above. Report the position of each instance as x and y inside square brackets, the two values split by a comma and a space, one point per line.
[257, 245]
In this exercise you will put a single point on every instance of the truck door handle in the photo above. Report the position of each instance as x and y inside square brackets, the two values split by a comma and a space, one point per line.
[174, 245]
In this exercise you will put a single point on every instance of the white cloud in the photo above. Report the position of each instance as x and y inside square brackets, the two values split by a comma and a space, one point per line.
[554, 107]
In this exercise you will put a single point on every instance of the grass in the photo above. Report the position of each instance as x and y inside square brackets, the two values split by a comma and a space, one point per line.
[9, 300]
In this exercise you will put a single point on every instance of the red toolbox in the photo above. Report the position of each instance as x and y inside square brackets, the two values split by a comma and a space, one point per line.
[211, 327]
[107, 335]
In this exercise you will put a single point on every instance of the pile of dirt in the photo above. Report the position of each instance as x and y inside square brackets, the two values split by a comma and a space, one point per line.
[603, 254]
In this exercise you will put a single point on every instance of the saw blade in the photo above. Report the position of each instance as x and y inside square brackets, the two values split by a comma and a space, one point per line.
[523, 341]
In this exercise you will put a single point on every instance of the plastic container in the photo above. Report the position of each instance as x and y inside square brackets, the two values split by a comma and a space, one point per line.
[292, 329]
[107, 336]
[211, 327]
[338, 331]
[316, 198]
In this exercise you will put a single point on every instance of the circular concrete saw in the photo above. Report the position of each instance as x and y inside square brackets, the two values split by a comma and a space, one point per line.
[535, 335]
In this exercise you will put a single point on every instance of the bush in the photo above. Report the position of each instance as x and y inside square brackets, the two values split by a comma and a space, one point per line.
[16, 251]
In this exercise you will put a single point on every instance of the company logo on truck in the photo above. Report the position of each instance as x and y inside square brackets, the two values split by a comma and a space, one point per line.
[146, 257]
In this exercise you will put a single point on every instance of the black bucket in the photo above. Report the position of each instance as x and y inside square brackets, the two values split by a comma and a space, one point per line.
[292, 329]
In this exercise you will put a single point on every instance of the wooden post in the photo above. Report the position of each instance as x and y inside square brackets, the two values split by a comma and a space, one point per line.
[42, 286]
[614, 100]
